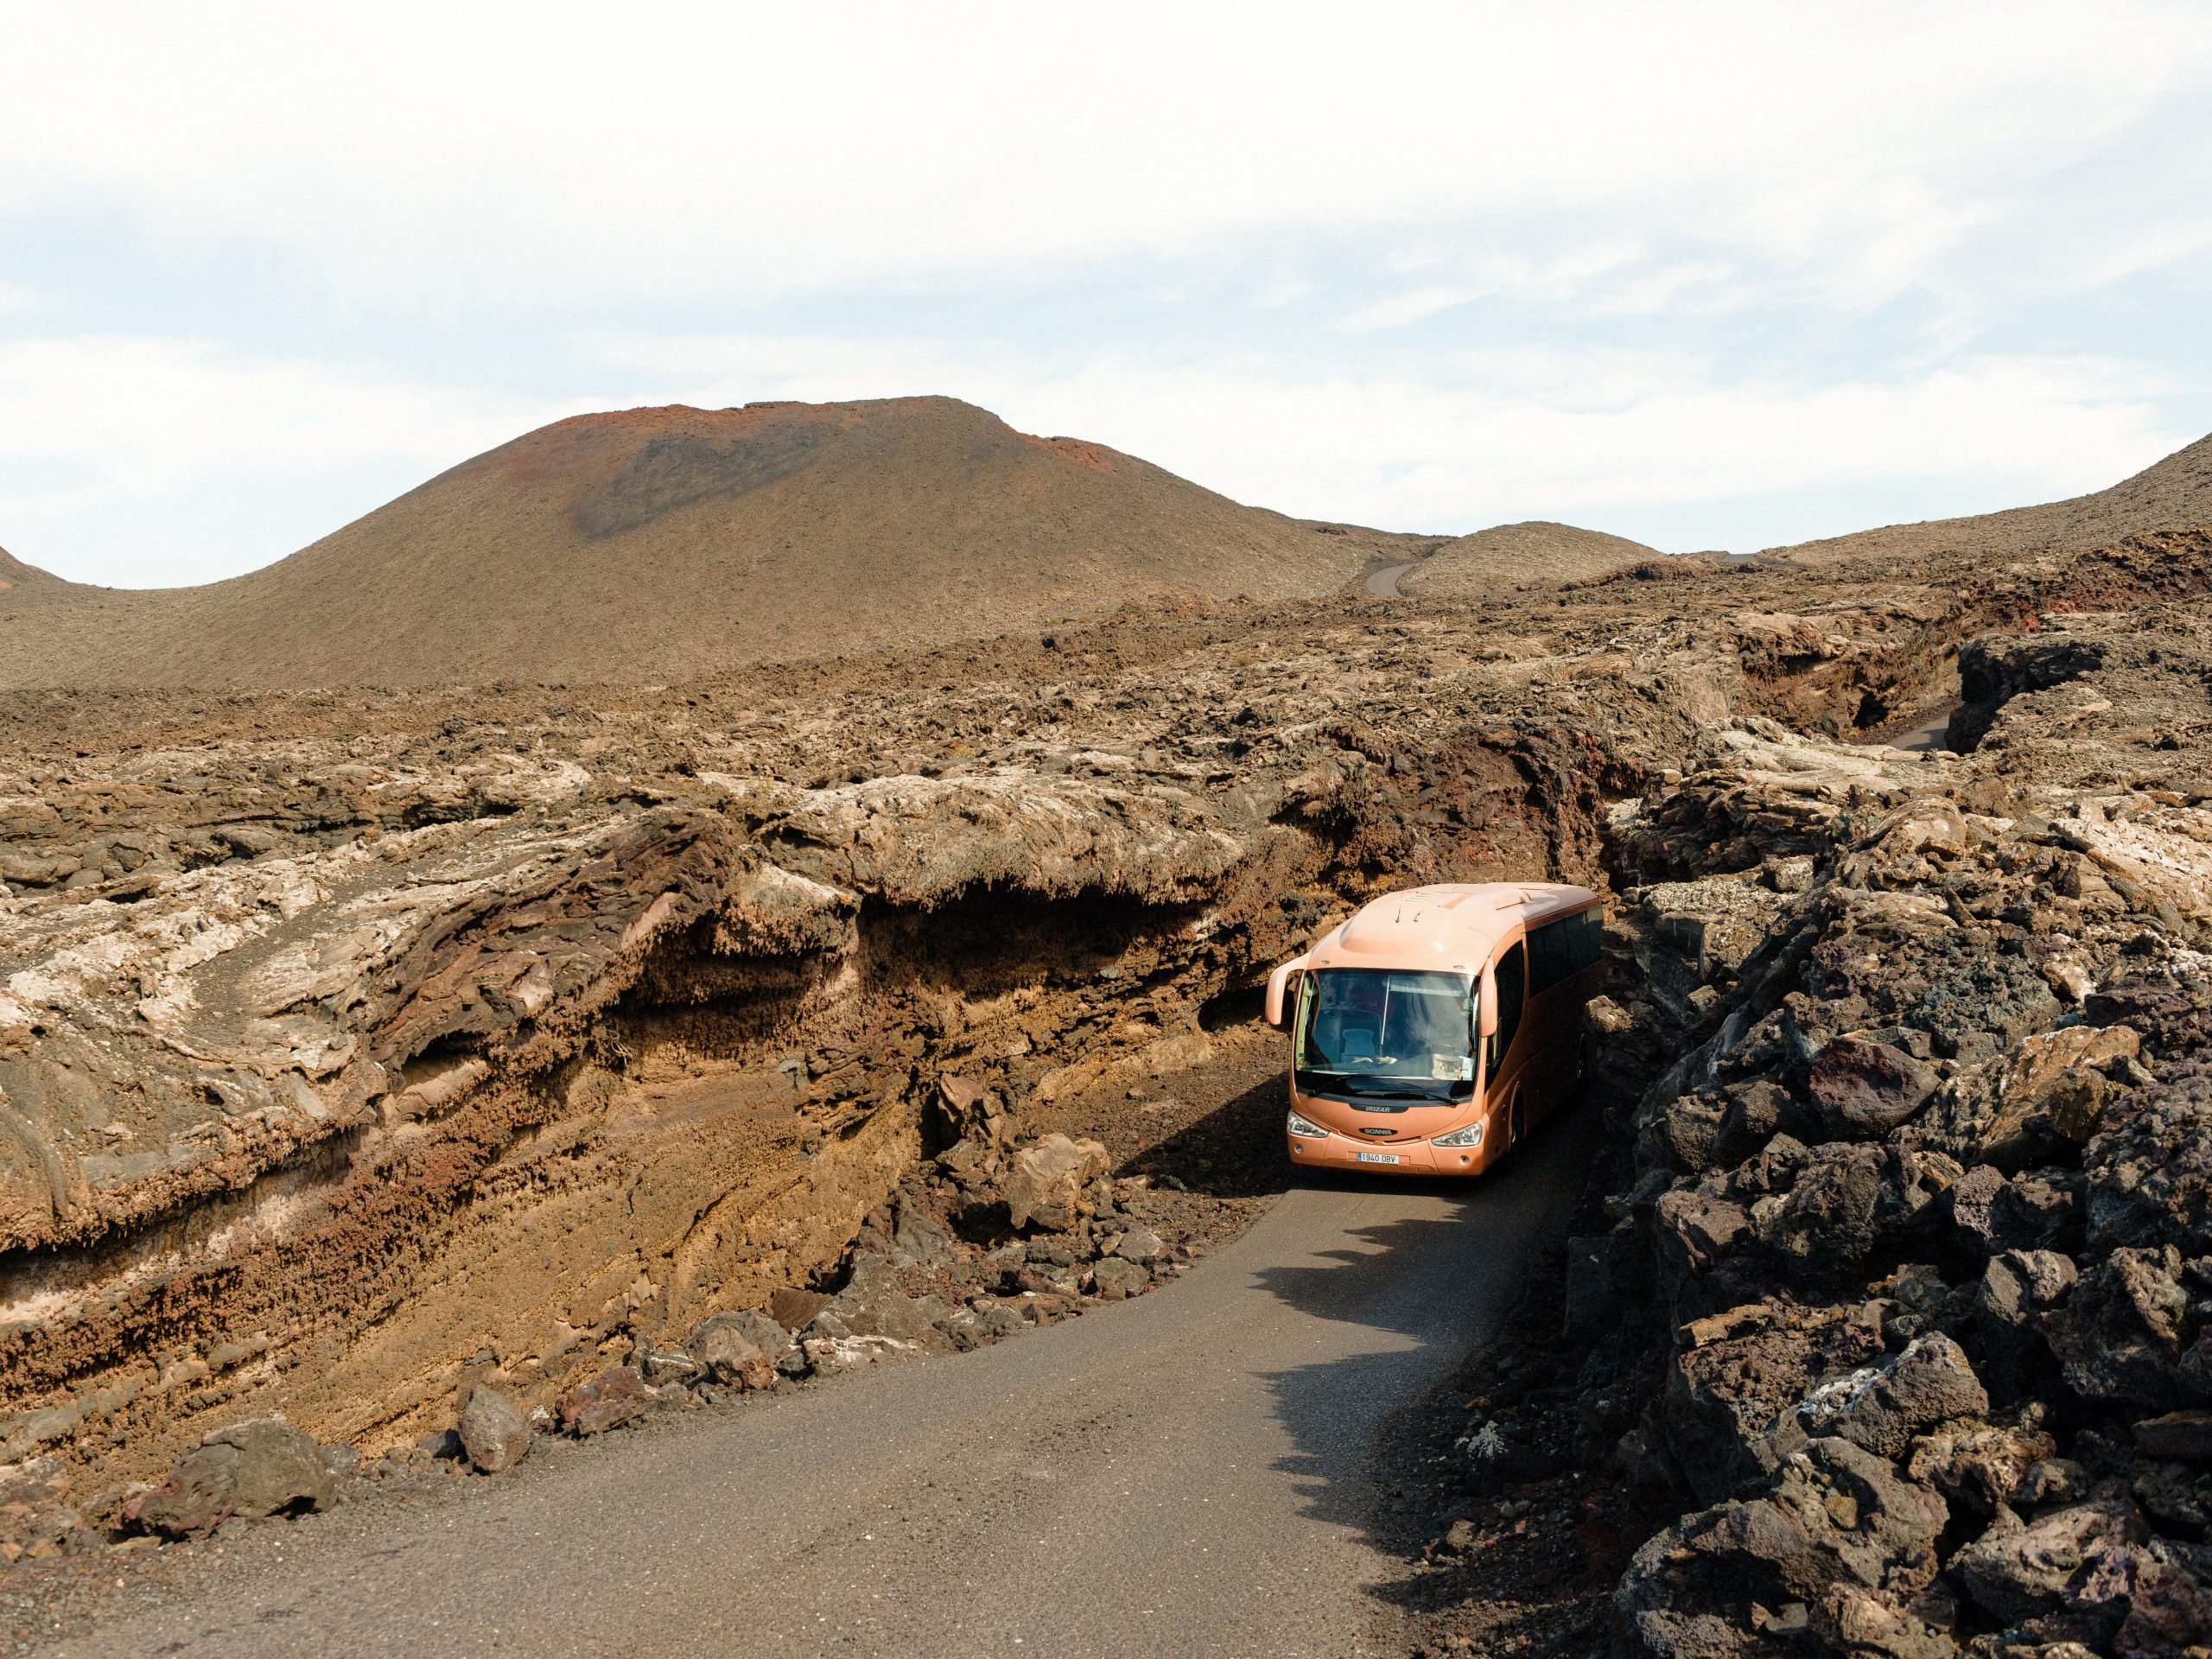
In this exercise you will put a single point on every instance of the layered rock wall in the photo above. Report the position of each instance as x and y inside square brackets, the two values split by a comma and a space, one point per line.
[355, 1089]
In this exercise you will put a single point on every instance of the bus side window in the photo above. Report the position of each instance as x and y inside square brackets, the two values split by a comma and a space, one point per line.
[1561, 949]
[1512, 976]
[1548, 949]
[1587, 940]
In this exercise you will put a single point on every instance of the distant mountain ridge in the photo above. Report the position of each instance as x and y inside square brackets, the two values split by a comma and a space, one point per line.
[653, 544]
[656, 544]
[2173, 493]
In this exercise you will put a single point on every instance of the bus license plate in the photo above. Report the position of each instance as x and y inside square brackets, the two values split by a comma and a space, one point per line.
[1378, 1157]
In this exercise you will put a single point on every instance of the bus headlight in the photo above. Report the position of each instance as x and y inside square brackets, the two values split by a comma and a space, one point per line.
[1312, 1131]
[1469, 1136]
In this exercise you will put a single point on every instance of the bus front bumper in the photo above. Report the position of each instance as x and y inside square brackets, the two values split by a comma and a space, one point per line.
[1334, 1151]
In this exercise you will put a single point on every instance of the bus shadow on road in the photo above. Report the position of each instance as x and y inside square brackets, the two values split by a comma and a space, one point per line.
[1431, 1287]
[1233, 1152]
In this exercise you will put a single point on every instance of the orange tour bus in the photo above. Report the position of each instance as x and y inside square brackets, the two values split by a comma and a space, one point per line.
[1433, 1028]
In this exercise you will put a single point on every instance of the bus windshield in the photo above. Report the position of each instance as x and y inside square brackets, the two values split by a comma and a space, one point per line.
[1366, 1033]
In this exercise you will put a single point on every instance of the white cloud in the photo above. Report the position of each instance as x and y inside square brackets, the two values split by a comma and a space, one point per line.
[113, 449]
[2150, 249]
[145, 415]
[1407, 307]
[566, 154]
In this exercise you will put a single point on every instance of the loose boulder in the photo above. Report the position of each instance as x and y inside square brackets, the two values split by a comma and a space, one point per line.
[249, 1469]
[725, 1345]
[2183, 1435]
[1981, 1464]
[2169, 1607]
[791, 1307]
[1827, 1221]
[2150, 1179]
[1695, 1230]
[2030, 1211]
[1116, 1279]
[495, 1435]
[2074, 1559]
[1884, 1408]
[872, 1305]
[1048, 1184]
[1838, 1528]
[971, 1113]
[1727, 1412]
[921, 1237]
[611, 1398]
[2020, 1287]
[2057, 1087]
[2120, 1336]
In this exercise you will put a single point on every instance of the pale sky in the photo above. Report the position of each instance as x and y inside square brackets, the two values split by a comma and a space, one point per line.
[1705, 275]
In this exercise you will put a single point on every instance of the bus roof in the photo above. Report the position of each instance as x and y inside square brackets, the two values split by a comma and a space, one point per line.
[1451, 927]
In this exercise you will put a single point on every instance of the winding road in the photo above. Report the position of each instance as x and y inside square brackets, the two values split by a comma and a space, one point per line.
[1383, 583]
[1190, 1472]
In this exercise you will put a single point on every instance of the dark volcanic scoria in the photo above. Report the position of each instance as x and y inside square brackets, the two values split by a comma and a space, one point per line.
[1900, 1293]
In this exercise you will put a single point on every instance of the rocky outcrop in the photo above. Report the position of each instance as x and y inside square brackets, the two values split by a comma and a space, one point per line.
[366, 1045]
[632, 1047]
[1920, 1191]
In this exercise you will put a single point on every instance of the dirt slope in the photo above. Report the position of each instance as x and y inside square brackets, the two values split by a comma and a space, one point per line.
[15, 574]
[657, 542]
[1510, 554]
[2176, 494]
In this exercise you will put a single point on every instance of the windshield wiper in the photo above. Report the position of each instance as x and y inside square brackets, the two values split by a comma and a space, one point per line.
[1350, 1086]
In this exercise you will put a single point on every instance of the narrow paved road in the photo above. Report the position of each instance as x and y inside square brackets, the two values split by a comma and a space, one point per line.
[1930, 734]
[1188, 1474]
[1383, 584]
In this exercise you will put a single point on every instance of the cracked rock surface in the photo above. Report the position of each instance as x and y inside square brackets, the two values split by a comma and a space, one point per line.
[1895, 1297]
[378, 1064]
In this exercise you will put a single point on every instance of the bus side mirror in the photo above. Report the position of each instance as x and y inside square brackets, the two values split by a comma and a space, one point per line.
[1279, 986]
[1487, 1021]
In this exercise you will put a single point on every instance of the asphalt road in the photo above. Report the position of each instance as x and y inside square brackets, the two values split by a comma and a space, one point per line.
[1190, 1472]
[1928, 735]
[1383, 583]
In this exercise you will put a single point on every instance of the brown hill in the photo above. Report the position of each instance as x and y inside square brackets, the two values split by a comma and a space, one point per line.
[1509, 555]
[2176, 494]
[15, 574]
[655, 544]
